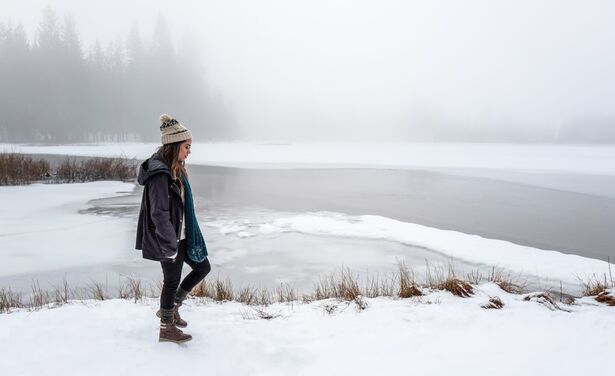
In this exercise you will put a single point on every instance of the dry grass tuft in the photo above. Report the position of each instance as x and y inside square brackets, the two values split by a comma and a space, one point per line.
[256, 313]
[360, 303]
[346, 287]
[444, 278]
[253, 296]
[408, 287]
[223, 290]
[133, 288]
[594, 287]
[61, 293]
[457, 287]
[203, 290]
[507, 282]
[607, 297]
[286, 293]
[494, 303]
[568, 300]
[8, 300]
[545, 299]
[330, 308]
[375, 287]
[97, 291]
[39, 298]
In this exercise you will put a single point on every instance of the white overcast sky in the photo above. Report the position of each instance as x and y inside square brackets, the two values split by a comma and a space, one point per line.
[381, 69]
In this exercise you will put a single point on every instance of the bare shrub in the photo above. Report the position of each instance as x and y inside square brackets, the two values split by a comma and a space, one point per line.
[68, 171]
[494, 303]
[93, 169]
[18, 169]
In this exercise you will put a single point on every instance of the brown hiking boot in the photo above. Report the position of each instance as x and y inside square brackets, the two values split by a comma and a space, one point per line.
[177, 319]
[170, 333]
[168, 330]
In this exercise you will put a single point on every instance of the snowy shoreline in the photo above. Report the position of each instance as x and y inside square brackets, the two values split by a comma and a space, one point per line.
[428, 336]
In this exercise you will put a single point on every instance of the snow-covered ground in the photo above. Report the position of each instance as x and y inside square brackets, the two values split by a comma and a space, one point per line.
[582, 159]
[438, 335]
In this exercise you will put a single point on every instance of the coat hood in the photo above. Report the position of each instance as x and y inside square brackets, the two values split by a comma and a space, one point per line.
[150, 167]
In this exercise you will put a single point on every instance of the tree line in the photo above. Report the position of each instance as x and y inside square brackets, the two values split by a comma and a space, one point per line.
[53, 91]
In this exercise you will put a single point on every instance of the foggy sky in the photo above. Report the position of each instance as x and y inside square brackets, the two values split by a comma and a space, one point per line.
[382, 70]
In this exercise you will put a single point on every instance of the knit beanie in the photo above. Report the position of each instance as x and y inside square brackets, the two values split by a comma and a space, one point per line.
[172, 130]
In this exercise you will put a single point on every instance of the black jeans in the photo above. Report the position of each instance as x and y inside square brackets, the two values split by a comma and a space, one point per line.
[172, 272]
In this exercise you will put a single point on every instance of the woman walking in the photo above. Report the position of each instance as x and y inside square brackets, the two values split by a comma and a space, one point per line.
[168, 230]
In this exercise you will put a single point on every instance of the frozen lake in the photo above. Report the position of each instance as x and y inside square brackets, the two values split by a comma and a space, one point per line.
[572, 213]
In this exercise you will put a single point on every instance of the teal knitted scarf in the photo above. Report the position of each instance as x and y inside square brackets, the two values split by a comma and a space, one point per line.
[196, 248]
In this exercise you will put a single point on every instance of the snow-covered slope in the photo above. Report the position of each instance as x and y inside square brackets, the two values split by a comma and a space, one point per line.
[439, 335]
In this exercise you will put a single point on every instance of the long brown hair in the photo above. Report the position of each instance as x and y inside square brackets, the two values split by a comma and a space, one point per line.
[169, 153]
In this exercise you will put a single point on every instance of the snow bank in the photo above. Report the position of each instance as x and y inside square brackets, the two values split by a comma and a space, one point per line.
[472, 248]
[450, 336]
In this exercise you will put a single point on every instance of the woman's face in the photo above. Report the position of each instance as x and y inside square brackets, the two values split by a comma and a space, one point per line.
[184, 149]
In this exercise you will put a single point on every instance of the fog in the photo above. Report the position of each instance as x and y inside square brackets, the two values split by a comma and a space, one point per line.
[498, 71]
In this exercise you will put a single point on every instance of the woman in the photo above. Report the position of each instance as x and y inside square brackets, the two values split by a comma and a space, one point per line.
[168, 230]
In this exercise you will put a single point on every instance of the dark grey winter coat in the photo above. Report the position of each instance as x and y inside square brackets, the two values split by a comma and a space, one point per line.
[162, 209]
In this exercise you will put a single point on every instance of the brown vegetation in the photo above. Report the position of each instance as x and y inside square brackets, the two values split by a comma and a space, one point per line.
[606, 297]
[18, 169]
[494, 303]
